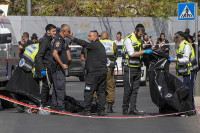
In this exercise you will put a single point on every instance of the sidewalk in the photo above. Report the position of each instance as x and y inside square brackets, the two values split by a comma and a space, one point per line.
[197, 104]
[172, 66]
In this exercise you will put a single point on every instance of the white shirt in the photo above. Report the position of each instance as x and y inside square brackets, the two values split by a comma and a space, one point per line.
[128, 46]
[119, 42]
[186, 55]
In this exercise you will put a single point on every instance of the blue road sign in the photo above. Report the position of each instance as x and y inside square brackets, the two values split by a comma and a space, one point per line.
[186, 11]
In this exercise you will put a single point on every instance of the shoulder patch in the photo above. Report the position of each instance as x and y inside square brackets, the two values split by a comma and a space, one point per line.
[134, 43]
[57, 44]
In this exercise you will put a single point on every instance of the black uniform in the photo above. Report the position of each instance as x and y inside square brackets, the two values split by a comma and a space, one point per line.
[96, 70]
[146, 57]
[165, 46]
[43, 62]
[58, 74]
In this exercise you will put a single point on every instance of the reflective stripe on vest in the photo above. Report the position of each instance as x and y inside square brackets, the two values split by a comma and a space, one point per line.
[30, 53]
[24, 65]
[108, 44]
[184, 69]
[136, 43]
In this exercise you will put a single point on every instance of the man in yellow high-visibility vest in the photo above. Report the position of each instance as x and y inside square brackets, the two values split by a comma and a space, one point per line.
[186, 63]
[132, 69]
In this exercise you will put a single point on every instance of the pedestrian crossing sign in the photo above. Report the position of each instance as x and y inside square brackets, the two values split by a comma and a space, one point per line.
[186, 11]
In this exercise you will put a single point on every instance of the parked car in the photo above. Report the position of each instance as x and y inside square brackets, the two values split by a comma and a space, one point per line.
[77, 67]
[119, 71]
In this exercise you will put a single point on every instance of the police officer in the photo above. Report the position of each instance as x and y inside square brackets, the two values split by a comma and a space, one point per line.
[43, 60]
[60, 57]
[34, 38]
[186, 63]
[132, 69]
[112, 54]
[96, 72]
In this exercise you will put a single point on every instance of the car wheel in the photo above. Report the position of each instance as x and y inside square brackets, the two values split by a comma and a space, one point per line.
[143, 83]
[82, 78]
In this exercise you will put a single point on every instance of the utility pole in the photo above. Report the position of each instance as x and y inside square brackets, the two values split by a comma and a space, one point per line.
[197, 84]
[29, 7]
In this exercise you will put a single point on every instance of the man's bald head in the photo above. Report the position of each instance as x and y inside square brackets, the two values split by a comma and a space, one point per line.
[104, 35]
[65, 30]
[64, 26]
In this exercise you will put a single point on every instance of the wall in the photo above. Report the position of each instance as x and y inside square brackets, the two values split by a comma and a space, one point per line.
[80, 26]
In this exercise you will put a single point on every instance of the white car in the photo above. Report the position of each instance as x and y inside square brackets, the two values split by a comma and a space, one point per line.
[118, 71]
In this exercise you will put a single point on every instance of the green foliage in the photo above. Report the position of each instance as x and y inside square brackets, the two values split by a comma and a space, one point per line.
[98, 8]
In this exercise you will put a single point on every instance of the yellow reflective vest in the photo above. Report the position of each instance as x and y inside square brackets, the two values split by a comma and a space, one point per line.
[108, 44]
[185, 68]
[136, 43]
[28, 60]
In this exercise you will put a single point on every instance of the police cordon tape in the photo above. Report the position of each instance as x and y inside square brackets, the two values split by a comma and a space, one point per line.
[170, 44]
[99, 117]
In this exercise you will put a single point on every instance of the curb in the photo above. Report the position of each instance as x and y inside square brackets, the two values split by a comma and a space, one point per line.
[197, 105]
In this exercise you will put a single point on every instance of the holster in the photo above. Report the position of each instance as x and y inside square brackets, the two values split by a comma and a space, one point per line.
[54, 66]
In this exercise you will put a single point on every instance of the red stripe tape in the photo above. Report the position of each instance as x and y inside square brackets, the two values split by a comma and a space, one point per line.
[70, 114]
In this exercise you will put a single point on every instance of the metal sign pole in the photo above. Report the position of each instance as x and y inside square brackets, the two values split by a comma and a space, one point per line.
[196, 31]
[197, 85]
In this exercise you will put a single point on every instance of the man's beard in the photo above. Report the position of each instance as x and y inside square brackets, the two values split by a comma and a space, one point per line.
[137, 36]
[177, 44]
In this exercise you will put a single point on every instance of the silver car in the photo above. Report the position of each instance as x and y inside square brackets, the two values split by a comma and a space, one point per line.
[118, 71]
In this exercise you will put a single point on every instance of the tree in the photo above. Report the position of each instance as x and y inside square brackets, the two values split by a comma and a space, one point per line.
[98, 8]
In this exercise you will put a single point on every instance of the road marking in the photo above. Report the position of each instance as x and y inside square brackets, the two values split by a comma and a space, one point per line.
[99, 117]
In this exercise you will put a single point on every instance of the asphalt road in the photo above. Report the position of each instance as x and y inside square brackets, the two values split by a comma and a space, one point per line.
[13, 122]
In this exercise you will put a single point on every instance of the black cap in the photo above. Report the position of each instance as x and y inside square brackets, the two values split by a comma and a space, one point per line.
[140, 27]
[180, 33]
[34, 36]
[58, 29]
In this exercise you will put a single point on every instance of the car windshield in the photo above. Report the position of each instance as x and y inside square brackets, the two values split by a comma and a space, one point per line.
[120, 50]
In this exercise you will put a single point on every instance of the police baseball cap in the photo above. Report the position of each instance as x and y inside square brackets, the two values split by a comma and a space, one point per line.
[180, 33]
[58, 29]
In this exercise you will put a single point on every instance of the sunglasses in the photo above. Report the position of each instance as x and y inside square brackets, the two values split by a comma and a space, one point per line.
[67, 31]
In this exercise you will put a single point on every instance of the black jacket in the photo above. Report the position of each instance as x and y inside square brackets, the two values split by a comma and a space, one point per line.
[96, 56]
[44, 56]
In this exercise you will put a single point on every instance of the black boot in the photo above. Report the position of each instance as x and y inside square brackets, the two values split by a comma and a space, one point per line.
[85, 112]
[109, 108]
[125, 112]
[136, 112]
[101, 113]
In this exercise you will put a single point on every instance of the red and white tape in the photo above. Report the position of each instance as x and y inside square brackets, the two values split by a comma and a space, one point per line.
[71, 114]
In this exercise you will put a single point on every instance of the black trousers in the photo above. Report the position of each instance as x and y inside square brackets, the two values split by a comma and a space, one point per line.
[95, 82]
[58, 93]
[44, 92]
[131, 86]
[189, 82]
